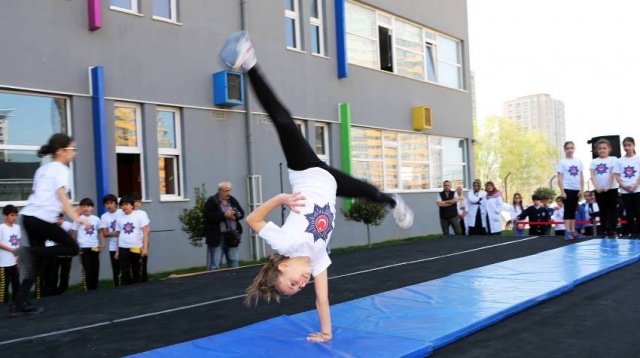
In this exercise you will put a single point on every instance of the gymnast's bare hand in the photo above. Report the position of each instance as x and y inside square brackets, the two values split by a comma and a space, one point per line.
[293, 201]
[319, 337]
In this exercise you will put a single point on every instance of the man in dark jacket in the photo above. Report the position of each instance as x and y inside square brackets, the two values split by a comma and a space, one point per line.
[222, 228]
[448, 206]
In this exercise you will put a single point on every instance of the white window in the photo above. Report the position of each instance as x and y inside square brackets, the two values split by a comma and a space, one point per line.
[322, 141]
[166, 9]
[26, 123]
[169, 153]
[409, 50]
[317, 27]
[129, 159]
[362, 36]
[292, 24]
[449, 62]
[128, 5]
[301, 126]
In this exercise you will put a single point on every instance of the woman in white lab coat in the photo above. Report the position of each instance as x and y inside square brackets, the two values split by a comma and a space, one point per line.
[494, 209]
[476, 219]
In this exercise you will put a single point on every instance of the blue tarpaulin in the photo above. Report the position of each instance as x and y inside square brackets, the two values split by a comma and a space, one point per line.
[414, 320]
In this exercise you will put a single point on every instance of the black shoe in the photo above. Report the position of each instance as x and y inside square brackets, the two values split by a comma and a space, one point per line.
[25, 309]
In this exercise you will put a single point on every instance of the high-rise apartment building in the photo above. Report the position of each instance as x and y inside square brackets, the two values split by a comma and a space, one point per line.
[539, 112]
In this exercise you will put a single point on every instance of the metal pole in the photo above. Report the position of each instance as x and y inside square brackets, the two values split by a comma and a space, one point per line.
[506, 186]
[551, 182]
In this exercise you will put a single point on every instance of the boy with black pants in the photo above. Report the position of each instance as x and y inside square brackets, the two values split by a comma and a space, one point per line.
[133, 241]
[536, 213]
[9, 242]
[108, 222]
[91, 243]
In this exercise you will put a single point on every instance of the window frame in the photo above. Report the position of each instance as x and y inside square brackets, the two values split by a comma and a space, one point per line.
[295, 16]
[139, 148]
[173, 11]
[35, 148]
[319, 23]
[325, 139]
[175, 153]
[135, 7]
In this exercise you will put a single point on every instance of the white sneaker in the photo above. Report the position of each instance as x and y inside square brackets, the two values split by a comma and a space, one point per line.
[238, 53]
[402, 214]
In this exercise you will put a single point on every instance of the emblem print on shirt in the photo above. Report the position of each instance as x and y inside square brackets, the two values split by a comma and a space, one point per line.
[128, 228]
[573, 170]
[629, 172]
[13, 240]
[320, 222]
[601, 168]
[112, 226]
[90, 230]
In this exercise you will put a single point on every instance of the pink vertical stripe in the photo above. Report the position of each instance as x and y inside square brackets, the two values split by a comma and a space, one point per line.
[94, 9]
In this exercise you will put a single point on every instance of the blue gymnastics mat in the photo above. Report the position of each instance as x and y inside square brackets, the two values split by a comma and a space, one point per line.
[412, 321]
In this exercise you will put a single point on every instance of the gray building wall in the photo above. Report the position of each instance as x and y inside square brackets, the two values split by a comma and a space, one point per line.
[153, 63]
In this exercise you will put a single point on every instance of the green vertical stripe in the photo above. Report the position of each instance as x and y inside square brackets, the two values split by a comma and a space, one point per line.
[345, 142]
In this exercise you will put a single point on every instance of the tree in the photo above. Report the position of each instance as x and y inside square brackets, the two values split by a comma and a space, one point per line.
[366, 212]
[192, 219]
[548, 192]
[505, 147]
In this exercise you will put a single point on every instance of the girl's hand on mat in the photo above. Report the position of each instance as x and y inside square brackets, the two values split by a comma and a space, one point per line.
[319, 337]
[293, 201]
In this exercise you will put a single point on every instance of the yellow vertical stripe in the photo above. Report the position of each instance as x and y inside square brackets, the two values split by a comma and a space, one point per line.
[3, 286]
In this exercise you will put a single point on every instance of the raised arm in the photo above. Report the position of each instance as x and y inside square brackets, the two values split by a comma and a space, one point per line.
[321, 285]
[256, 220]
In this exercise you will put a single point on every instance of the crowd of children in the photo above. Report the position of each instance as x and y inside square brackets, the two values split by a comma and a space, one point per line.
[123, 231]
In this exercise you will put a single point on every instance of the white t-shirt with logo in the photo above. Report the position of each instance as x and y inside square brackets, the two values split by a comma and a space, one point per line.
[9, 236]
[308, 233]
[43, 202]
[130, 229]
[629, 169]
[88, 237]
[108, 221]
[571, 170]
[603, 168]
[66, 226]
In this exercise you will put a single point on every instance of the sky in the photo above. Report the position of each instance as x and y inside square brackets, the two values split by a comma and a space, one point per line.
[585, 53]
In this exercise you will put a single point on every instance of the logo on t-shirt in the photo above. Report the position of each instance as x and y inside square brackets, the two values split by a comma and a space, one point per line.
[573, 170]
[112, 226]
[629, 172]
[90, 230]
[602, 168]
[320, 222]
[128, 228]
[13, 240]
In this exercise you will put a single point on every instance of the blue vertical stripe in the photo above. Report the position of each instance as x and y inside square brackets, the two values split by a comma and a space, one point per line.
[341, 39]
[99, 135]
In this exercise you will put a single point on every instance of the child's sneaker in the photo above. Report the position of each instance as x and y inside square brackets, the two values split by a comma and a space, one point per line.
[238, 53]
[402, 214]
[568, 236]
[26, 309]
[577, 235]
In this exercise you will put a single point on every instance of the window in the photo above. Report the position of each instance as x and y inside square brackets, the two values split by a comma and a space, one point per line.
[129, 5]
[300, 124]
[317, 27]
[129, 148]
[395, 161]
[166, 9]
[26, 123]
[322, 141]
[449, 62]
[169, 153]
[292, 24]
[381, 41]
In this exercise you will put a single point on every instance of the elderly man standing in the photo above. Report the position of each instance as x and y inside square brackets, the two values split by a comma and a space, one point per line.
[222, 214]
[448, 204]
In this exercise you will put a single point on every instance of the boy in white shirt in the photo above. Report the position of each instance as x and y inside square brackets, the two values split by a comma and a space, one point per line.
[91, 243]
[9, 243]
[108, 227]
[133, 241]
[145, 259]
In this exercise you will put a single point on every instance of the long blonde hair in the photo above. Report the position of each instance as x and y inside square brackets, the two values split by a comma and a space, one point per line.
[264, 285]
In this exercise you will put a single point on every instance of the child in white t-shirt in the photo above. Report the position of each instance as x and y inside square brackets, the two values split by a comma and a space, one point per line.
[9, 243]
[301, 242]
[108, 222]
[133, 241]
[604, 169]
[91, 243]
[145, 259]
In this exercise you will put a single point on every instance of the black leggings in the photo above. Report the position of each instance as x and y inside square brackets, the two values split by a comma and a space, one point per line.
[632, 208]
[38, 231]
[298, 152]
[607, 202]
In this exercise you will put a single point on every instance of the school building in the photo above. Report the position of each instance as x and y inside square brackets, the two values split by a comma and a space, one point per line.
[380, 88]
